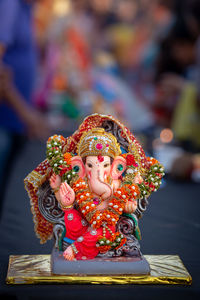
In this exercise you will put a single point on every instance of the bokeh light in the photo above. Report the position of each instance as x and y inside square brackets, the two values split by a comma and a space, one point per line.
[166, 135]
[61, 7]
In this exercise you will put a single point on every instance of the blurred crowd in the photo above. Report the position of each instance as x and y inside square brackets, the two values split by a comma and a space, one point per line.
[138, 60]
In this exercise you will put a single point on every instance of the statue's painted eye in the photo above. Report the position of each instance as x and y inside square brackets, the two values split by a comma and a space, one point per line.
[76, 169]
[106, 165]
[89, 165]
[120, 167]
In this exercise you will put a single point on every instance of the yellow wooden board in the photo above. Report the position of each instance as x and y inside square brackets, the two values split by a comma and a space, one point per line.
[36, 269]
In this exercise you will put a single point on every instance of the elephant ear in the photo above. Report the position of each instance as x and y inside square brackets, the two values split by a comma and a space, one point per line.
[118, 167]
[78, 166]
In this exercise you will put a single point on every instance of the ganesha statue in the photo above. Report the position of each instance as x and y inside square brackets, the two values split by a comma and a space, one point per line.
[91, 190]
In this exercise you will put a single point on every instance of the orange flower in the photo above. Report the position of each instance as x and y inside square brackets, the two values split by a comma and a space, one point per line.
[55, 136]
[104, 249]
[123, 241]
[134, 191]
[67, 157]
[97, 219]
[152, 161]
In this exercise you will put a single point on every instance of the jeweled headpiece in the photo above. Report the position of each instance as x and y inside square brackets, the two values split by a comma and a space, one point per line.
[98, 142]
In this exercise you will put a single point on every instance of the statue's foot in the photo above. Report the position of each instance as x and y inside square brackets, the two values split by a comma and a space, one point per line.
[69, 253]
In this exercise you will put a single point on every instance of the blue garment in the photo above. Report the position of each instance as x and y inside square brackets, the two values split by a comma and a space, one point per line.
[16, 33]
[69, 241]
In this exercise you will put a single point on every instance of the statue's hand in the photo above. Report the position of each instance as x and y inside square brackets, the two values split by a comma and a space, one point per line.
[103, 205]
[67, 195]
[55, 181]
[130, 207]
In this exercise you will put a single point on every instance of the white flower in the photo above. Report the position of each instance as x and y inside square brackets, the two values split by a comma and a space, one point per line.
[130, 171]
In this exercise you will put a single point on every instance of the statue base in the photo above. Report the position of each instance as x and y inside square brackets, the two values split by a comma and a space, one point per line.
[36, 269]
[98, 265]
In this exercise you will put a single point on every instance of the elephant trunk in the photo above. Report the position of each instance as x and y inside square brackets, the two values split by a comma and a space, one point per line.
[98, 186]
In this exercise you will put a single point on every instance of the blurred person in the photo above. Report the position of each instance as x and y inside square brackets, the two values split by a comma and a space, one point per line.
[186, 167]
[193, 19]
[18, 59]
[179, 164]
[127, 10]
[176, 104]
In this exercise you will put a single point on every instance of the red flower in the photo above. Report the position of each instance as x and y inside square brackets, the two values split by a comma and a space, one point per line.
[64, 170]
[130, 160]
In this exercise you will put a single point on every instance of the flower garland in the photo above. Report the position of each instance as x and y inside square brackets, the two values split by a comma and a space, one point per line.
[116, 204]
[116, 241]
[59, 162]
[107, 217]
[152, 179]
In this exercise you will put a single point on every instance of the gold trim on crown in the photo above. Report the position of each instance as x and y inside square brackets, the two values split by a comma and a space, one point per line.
[98, 142]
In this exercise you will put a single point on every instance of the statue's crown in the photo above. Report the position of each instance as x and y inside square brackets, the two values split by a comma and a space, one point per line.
[98, 142]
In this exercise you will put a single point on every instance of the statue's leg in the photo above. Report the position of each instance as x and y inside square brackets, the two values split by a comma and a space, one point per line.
[75, 224]
[86, 244]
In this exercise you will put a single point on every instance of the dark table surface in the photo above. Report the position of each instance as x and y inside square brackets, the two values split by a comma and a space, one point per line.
[171, 225]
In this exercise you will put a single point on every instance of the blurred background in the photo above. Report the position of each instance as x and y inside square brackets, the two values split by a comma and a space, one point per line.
[138, 60]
